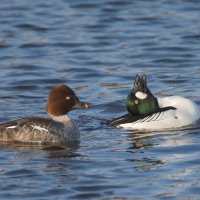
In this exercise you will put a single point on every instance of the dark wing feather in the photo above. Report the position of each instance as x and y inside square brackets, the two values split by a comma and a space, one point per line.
[7, 124]
[26, 130]
[128, 118]
[26, 120]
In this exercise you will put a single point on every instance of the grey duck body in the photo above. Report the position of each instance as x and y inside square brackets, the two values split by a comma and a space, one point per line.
[39, 130]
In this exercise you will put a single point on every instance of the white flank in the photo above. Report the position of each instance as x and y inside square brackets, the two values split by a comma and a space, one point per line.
[186, 113]
[39, 128]
[11, 126]
[141, 95]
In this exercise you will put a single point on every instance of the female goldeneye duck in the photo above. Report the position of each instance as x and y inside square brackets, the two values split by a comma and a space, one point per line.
[59, 129]
[146, 112]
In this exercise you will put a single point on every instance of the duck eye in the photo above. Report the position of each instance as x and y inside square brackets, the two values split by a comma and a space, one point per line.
[136, 102]
[68, 97]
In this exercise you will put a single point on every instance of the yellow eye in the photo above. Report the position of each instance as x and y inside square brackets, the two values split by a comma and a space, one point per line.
[136, 102]
[68, 97]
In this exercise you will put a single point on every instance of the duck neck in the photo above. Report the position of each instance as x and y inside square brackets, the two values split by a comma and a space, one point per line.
[64, 119]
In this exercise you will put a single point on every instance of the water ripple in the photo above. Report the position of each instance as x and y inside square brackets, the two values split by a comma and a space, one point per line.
[97, 48]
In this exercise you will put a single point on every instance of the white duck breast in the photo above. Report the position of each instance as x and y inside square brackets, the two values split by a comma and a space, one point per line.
[185, 113]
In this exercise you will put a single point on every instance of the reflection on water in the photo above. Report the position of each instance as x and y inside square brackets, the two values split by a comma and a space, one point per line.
[97, 47]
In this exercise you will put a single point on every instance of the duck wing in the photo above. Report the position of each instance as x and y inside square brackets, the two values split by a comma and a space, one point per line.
[29, 129]
[128, 118]
[26, 121]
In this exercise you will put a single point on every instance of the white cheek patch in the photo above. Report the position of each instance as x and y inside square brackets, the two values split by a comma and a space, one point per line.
[39, 128]
[141, 95]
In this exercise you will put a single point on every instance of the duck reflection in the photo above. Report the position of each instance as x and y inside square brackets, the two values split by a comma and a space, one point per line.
[52, 152]
[150, 150]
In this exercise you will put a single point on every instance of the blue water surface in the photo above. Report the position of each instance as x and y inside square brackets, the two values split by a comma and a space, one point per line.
[97, 47]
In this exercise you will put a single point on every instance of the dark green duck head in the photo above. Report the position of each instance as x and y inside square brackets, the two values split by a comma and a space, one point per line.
[140, 100]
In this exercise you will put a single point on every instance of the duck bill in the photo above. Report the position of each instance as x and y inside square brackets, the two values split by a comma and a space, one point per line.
[81, 105]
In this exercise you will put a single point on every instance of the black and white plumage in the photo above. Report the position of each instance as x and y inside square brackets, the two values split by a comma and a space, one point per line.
[130, 119]
[145, 112]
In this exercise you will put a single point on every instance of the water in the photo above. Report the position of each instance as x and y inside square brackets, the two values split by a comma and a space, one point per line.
[97, 47]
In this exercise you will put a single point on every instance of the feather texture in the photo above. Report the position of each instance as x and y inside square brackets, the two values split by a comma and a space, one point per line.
[174, 112]
[39, 130]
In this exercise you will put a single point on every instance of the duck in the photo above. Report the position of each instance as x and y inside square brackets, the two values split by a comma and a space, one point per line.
[146, 112]
[58, 128]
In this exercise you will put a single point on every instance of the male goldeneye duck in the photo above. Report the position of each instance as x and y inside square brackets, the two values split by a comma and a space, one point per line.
[146, 112]
[59, 129]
